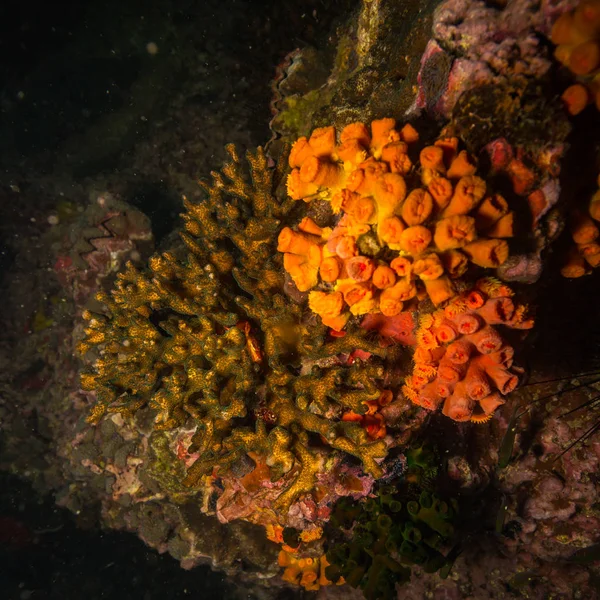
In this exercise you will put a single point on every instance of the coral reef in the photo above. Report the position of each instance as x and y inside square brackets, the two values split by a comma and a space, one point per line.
[365, 68]
[375, 542]
[239, 383]
[479, 43]
[249, 380]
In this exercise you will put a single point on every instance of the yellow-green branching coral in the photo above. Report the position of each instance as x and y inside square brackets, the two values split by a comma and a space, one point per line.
[206, 338]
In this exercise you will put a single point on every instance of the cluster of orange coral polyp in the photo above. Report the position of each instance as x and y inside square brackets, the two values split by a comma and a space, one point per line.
[584, 254]
[429, 209]
[577, 35]
[462, 362]
[308, 572]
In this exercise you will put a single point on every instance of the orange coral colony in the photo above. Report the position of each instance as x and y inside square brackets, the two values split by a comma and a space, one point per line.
[408, 221]
[584, 254]
[577, 36]
[462, 361]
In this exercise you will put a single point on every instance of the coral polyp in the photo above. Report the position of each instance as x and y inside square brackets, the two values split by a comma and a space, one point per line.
[463, 362]
[409, 222]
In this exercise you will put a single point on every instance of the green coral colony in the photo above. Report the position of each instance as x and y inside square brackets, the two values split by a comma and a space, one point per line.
[387, 536]
[374, 543]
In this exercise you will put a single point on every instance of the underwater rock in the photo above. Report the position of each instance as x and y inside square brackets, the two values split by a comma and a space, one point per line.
[108, 234]
[558, 514]
[372, 62]
[479, 43]
[229, 410]
[401, 229]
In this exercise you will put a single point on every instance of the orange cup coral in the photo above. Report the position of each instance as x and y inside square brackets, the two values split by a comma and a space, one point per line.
[577, 36]
[426, 216]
